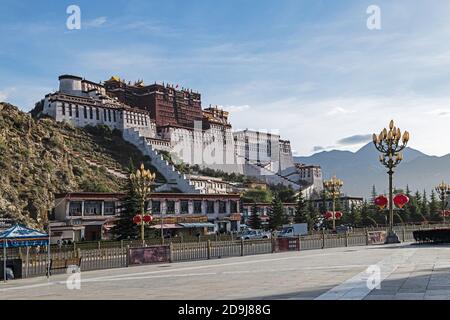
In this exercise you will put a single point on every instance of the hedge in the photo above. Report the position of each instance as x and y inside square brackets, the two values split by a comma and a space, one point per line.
[436, 236]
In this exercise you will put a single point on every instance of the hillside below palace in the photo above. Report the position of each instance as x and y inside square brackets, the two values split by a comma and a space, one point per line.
[161, 117]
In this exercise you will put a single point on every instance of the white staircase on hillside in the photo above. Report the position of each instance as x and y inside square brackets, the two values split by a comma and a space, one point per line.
[175, 179]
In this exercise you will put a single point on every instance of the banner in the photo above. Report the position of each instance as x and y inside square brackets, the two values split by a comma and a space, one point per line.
[147, 255]
[377, 237]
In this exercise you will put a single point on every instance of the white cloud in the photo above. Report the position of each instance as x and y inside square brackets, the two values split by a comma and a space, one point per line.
[95, 23]
[3, 95]
[339, 110]
[236, 108]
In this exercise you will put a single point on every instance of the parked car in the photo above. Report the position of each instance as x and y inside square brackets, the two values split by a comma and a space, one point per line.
[254, 234]
[343, 229]
[294, 230]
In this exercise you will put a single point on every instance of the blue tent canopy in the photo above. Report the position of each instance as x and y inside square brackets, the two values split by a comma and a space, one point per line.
[20, 236]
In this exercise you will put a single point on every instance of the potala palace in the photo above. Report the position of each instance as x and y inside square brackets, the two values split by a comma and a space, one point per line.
[161, 117]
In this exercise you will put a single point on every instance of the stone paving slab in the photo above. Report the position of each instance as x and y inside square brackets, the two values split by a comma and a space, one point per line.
[408, 273]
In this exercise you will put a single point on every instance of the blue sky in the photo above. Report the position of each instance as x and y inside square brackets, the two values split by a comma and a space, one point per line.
[310, 70]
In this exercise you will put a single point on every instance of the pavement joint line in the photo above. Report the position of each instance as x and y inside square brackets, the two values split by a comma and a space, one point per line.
[297, 255]
[356, 287]
[211, 265]
[131, 277]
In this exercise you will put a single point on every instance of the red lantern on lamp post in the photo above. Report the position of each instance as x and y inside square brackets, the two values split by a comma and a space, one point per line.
[333, 215]
[400, 200]
[381, 202]
[137, 219]
[148, 218]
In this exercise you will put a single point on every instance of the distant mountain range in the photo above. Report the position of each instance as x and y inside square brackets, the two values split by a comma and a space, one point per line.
[360, 170]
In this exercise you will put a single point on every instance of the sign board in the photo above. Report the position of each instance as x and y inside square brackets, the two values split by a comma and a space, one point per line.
[175, 220]
[288, 244]
[147, 255]
[6, 223]
[377, 237]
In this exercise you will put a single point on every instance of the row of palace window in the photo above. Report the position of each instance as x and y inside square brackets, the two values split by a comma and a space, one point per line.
[260, 211]
[106, 113]
[94, 208]
[197, 207]
[139, 120]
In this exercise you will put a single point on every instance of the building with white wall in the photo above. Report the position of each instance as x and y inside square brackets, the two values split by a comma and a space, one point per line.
[192, 136]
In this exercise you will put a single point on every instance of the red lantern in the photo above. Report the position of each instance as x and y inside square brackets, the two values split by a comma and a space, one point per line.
[400, 200]
[445, 213]
[148, 218]
[381, 202]
[328, 215]
[137, 219]
[338, 215]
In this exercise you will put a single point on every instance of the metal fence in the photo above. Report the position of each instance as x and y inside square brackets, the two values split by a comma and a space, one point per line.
[115, 256]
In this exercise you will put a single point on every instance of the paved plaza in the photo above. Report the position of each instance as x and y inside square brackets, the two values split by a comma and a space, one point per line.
[406, 272]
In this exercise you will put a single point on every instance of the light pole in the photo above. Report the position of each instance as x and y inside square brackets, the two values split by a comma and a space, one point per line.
[142, 182]
[333, 187]
[442, 189]
[390, 144]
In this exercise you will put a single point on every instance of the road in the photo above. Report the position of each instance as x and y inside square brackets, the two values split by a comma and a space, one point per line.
[405, 271]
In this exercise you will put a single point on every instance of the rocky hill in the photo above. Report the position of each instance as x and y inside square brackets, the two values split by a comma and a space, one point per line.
[39, 158]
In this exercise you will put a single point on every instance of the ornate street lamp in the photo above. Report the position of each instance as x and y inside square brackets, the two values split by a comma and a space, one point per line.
[142, 182]
[390, 144]
[333, 187]
[442, 190]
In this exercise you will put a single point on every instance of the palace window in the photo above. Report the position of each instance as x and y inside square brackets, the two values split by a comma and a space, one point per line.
[222, 207]
[197, 207]
[70, 110]
[170, 207]
[97, 113]
[104, 114]
[184, 207]
[85, 112]
[63, 109]
[77, 112]
[114, 115]
[110, 208]
[92, 208]
[210, 207]
[156, 207]
[75, 208]
[91, 114]
[109, 115]
[233, 207]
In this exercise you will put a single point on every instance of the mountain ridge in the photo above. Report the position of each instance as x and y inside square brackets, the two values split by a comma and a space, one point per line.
[361, 170]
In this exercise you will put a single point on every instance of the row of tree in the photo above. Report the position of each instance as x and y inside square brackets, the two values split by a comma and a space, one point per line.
[420, 209]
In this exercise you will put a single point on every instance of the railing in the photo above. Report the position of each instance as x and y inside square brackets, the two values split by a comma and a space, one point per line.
[115, 256]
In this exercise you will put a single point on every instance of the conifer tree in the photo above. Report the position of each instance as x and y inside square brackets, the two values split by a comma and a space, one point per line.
[315, 217]
[425, 209]
[301, 211]
[276, 214]
[125, 228]
[434, 207]
[255, 220]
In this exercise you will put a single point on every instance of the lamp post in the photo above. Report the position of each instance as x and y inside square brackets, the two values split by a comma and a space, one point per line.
[442, 189]
[390, 144]
[333, 187]
[142, 182]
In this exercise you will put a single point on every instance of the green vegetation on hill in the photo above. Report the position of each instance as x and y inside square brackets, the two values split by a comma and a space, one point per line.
[39, 158]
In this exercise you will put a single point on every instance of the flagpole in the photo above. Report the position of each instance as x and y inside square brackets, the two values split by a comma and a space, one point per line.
[48, 251]
[4, 259]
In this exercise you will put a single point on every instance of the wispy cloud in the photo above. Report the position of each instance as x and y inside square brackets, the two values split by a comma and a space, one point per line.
[236, 108]
[95, 23]
[356, 139]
